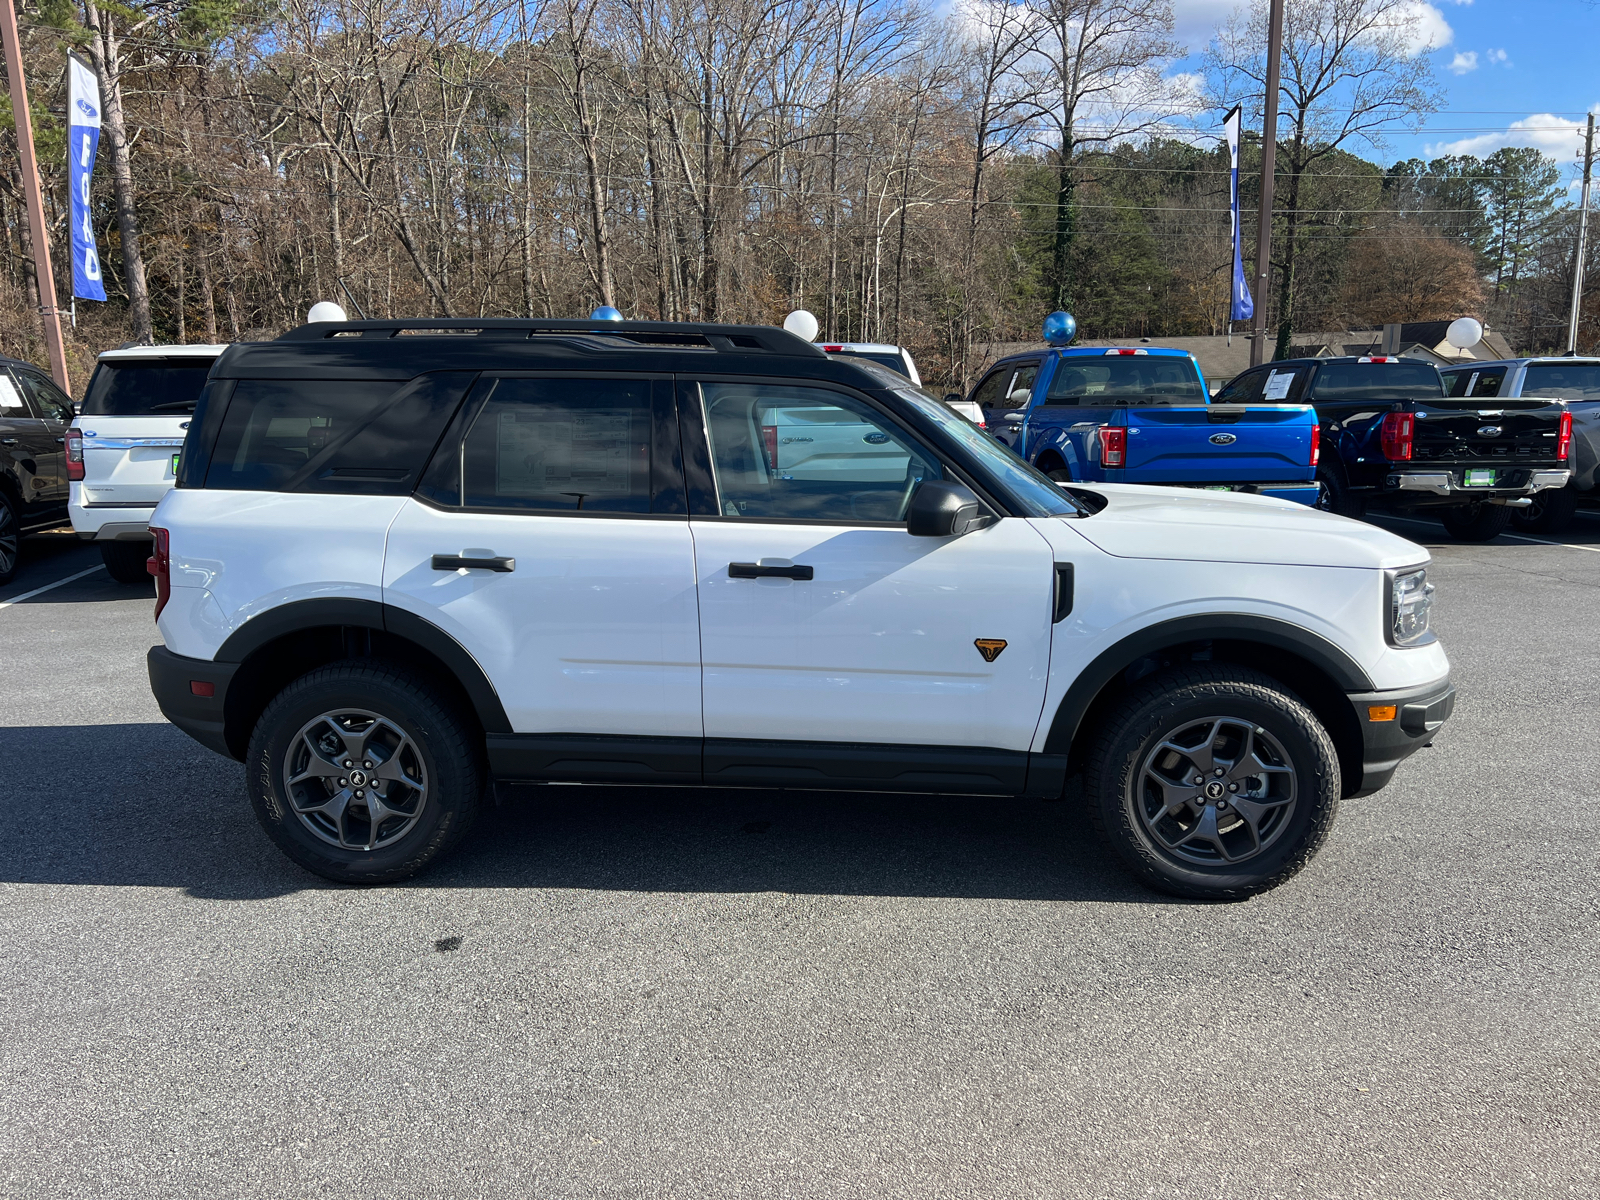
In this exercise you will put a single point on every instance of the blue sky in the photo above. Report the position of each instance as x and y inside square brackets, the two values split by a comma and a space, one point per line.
[1513, 73]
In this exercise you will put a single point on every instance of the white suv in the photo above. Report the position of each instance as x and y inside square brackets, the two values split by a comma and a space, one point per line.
[122, 451]
[406, 559]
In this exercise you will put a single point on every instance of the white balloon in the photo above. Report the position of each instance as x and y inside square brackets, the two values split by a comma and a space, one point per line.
[326, 310]
[802, 324]
[1464, 333]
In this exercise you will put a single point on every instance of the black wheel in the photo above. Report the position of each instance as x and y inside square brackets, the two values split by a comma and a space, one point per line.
[1334, 497]
[1056, 470]
[1475, 522]
[10, 538]
[125, 561]
[1213, 783]
[360, 772]
[1552, 511]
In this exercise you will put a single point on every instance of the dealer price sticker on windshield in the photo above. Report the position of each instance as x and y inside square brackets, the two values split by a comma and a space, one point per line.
[1480, 478]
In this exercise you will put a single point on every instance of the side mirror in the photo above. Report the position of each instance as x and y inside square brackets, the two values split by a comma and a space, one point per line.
[1020, 398]
[953, 397]
[940, 509]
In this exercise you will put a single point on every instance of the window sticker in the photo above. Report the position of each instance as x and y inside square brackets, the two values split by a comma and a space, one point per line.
[565, 452]
[9, 397]
[1278, 385]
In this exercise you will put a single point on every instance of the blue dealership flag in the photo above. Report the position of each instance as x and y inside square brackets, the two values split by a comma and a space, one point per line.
[83, 140]
[1242, 307]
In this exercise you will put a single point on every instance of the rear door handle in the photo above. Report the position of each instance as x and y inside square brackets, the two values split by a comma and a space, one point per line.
[758, 571]
[455, 562]
[8, 441]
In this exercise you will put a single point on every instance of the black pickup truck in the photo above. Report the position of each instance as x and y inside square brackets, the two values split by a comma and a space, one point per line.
[1391, 439]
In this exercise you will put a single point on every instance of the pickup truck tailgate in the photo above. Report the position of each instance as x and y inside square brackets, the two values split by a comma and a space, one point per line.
[1511, 433]
[1236, 443]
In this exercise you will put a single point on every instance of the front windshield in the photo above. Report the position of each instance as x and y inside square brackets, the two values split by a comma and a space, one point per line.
[1125, 379]
[1035, 492]
[1563, 381]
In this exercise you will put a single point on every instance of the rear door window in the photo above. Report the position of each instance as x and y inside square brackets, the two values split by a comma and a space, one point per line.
[145, 387]
[1563, 381]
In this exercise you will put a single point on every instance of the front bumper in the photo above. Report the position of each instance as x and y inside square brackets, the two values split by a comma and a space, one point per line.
[1395, 725]
[1515, 488]
[176, 682]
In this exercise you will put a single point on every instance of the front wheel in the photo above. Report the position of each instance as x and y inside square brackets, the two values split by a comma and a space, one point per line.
[1552, 511]
[1213, 783]
[1475, 522]
[363, 773]
[10, 538]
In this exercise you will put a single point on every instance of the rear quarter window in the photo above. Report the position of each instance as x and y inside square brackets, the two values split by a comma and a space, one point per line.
[142, 388]
[333, 436]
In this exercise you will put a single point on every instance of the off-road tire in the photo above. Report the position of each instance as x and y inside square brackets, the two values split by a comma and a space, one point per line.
[1552, 511]
[1475, 522]
[446, 738]
[125, 561]
[1133, 731]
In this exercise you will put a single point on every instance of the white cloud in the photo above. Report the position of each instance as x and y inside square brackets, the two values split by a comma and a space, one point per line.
[1428, 29]
[1497, 58]
[1194, 21]
[1464, 61]
[1556, 136]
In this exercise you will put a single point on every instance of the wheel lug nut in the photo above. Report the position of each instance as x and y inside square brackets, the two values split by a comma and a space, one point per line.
[348, 763]
[1218, 771]
[1233, 787]
[344, 783]
[367, 765]
[360, 795]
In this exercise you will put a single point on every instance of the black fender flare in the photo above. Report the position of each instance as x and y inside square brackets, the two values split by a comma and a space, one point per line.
[1238, 627]
[356, 613]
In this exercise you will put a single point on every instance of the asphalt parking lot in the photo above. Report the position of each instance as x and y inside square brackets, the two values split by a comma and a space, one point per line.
[631, 993]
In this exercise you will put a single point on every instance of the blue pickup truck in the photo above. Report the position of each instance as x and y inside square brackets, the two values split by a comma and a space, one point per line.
[1141, 415]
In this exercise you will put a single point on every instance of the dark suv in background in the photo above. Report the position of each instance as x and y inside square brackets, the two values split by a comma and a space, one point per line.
[34, 416]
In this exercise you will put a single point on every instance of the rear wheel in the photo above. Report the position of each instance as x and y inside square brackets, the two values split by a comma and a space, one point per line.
[1475, 522]
[10, 538]
[125, 561]
[1334, 497]
[1552, 511]
[1213, 783]
[1056, 470]
[362, 773]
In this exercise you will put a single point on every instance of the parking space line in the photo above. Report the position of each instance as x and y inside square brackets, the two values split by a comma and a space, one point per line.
[38, 591]
[1521, 537]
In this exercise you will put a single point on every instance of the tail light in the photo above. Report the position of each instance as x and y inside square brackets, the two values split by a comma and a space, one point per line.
[1564, 437]
[159, 564]
[75, 454]
[769, 440]
[1316, 444]
[1113, 445]
[1396, 435]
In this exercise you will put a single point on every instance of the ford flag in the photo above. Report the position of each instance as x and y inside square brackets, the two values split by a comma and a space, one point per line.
[1242, 307]
[83, 128]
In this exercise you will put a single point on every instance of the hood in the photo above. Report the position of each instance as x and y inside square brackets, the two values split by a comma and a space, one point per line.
[1189, 523]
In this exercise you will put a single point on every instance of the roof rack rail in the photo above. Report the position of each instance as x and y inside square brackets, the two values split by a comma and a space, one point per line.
[683, 335]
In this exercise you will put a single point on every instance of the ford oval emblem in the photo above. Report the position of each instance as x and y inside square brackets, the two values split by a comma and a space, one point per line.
[1223, 439]
[875, 438]
[1488, 431]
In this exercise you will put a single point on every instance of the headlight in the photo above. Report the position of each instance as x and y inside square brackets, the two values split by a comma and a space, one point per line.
[1410, 600]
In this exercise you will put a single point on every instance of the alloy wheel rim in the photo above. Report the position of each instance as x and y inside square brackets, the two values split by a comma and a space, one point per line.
[10, 542]
[1216, 791]
[355, 779]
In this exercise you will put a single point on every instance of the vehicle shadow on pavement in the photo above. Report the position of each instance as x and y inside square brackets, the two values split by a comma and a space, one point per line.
[141, 805]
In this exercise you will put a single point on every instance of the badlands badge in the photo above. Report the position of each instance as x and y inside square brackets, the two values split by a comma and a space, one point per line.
[989, 647]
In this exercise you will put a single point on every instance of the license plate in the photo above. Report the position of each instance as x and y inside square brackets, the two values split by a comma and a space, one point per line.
[1480, 478]
[174, 464]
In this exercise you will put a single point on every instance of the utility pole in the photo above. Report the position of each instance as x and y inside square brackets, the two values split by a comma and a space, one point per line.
[48, 311]
[1269, 165]
[1583, 238]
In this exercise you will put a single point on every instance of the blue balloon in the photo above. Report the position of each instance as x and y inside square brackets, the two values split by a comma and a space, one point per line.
[605, 313]
[1060, 328]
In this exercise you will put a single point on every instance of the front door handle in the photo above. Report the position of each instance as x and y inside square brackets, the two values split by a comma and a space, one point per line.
[455, 562]
[8, 441]
[760, 571]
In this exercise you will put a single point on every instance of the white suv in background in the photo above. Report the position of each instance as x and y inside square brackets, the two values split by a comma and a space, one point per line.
[122, 451]
[402, 562]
